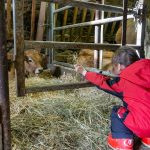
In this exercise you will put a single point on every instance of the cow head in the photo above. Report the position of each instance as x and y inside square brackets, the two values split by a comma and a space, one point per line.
[33, 61]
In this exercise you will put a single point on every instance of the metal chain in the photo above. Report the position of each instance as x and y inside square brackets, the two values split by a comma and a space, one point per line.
[138, 13]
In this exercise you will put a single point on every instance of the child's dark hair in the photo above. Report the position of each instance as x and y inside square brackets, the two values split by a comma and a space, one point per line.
[125, 55]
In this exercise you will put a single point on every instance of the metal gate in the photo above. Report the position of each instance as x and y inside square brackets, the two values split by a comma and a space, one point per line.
[20, 43]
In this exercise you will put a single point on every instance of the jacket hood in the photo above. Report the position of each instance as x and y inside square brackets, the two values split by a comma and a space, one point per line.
[138, 73]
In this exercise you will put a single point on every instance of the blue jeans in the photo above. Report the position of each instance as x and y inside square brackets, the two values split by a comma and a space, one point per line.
[118, 129]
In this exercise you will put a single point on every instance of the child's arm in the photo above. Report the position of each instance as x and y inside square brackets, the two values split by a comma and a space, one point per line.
[112, 86]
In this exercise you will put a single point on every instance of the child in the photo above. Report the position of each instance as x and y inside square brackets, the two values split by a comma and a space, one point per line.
[132, 86]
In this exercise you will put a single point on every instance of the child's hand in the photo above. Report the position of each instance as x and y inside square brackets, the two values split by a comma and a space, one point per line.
[80, 69]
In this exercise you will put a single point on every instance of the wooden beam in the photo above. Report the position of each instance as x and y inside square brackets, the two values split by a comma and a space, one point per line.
[55, 15]
[9, 21]
[84, 14]
[62, 9]
[33, 19]
[59, 87]
[108, 15]
[41, 21]
[65, 17]
[4, 89]
[72, 45]
[75, 14]
[19, 48]
[92, 13]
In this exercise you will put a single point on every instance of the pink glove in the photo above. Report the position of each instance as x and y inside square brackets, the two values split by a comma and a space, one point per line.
[80, 69]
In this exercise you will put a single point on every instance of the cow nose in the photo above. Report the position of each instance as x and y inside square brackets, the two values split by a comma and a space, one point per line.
[38, 70]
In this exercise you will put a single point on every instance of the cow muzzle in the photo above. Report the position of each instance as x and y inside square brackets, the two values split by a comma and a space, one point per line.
[38, 70]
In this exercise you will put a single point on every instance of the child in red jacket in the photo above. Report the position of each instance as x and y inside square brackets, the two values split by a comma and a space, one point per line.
[132, 86]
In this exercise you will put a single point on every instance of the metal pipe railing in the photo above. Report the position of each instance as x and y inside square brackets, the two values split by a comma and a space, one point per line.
[96, 22]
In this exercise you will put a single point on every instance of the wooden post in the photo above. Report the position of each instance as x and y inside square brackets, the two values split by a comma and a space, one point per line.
[92, 15]
[40, 28]
[106, 25]
[33, 19]
[55, 15]
[83, 20]
[9, 20]
[75, 14]
[4, 92]
[64, 23]
[1, 133]
[18, 9]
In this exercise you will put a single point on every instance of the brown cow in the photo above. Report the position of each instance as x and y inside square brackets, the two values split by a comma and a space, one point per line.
[130, 34]
[33, 62]
[86, 58]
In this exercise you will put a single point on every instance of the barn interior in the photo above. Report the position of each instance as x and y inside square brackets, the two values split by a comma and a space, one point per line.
[72, 117]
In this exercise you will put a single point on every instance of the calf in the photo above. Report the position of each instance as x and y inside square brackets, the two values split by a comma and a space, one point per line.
[33, 63]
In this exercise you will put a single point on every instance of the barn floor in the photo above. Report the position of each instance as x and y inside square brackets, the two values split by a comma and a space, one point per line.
[60, 120]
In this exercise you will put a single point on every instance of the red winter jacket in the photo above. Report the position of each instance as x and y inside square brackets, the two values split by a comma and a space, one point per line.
[133, 87]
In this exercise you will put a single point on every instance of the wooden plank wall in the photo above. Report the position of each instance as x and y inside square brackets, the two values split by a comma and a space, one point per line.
[68, 16]
[70, 34]
[82, 34]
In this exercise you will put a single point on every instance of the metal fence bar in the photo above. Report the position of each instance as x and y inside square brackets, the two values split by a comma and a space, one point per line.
[91, 23]
[72, 45]
[64, 64]
[97, 39]
[101, 39]
[50, 31]
[142, 30]
[63, 2]
[90, 5]
[62, 9]
[68, 45]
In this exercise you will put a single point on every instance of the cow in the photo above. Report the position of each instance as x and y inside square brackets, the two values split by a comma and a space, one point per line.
[34, 62]
[130, 34]
[86, 58]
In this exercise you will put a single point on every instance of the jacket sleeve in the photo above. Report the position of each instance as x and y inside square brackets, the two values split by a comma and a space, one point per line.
[111, 86]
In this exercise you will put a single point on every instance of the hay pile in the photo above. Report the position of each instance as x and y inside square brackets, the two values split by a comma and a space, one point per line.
[60, 120]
